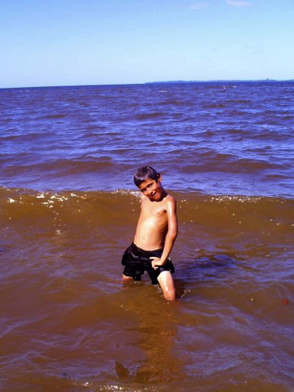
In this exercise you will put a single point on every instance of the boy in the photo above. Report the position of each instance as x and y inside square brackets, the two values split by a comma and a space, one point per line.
[155, 236]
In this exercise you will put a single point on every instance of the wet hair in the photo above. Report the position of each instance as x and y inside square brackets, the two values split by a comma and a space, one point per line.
[145, 172]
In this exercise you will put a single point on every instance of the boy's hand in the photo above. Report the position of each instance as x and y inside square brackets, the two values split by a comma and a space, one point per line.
[156, 262]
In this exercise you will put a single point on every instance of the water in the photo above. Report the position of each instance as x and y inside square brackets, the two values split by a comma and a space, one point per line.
[211, 138]
[69, 208]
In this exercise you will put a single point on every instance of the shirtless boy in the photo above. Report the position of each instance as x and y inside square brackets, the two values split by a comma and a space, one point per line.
[155, 236]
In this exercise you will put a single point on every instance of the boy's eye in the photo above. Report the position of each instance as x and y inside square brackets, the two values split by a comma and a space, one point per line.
[149, 186]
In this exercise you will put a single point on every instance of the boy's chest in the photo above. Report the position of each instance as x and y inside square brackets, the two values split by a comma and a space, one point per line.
[152, 209]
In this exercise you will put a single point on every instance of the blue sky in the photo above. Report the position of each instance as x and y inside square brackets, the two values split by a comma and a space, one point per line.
[80, 42]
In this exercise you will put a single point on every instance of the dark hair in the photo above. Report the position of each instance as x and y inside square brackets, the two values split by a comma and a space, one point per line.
[145, 172]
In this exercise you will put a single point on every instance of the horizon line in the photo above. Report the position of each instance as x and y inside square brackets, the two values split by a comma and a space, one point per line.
[154, 82]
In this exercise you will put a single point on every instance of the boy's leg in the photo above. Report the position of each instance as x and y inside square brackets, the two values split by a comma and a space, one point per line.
[126, 278]
[132, 271]
[166, 282]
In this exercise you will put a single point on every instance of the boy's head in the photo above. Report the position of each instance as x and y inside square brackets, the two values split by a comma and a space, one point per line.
[144, 173]
[148, 181]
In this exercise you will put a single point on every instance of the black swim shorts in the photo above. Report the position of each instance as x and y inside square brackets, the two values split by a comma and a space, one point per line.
[136, 261]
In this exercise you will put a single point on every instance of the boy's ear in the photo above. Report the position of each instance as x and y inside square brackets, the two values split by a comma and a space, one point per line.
[159, 178]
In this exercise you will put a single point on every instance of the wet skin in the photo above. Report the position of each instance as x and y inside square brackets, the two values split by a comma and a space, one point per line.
[157, 228]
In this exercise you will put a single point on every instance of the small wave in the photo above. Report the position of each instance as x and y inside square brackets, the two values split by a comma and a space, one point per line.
[207, 210]
[147, 116]
[52, 117]
[172, 103]
[63, 167]
[237, 131]
[227, 163]
[94, 128]
[287, 117]
[275, 134]
[215, 106]
[236, 101]
[26, 137]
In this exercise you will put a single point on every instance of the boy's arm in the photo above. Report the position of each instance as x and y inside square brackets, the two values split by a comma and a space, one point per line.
[171, 234]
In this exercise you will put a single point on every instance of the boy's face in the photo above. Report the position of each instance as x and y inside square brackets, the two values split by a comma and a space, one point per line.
[152, 189]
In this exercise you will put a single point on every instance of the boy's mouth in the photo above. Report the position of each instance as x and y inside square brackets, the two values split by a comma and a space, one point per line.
[154, 196]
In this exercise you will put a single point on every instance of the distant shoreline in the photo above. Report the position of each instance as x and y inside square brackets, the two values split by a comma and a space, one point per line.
[220, 81]
[158, 82]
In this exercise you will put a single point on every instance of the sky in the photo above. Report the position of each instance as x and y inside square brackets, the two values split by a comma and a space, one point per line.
[94, 42]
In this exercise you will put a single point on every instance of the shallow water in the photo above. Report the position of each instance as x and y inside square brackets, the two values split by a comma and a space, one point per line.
[68, 209]
[68, 322]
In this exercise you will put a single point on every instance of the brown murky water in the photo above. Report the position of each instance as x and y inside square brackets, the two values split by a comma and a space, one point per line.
[68, 323]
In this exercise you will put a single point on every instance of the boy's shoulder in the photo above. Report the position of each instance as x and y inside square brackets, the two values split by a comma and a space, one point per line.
[170, 201]
[170, 198]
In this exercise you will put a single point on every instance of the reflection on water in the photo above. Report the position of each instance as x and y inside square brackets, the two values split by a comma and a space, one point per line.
[157, 330]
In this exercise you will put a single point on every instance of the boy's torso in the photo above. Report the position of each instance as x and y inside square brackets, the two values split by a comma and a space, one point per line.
[152, 224]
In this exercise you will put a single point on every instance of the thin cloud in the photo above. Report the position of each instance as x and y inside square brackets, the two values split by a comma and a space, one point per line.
[199, 6]
[238, 3]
